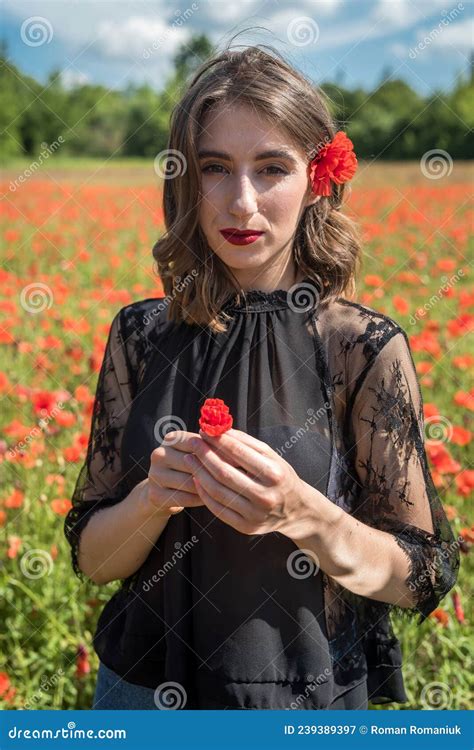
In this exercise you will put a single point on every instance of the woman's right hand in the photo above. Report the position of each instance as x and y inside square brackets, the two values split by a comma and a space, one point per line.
[170, 486]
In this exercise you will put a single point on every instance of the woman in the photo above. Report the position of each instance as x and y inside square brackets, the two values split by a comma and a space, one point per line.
[261, 573]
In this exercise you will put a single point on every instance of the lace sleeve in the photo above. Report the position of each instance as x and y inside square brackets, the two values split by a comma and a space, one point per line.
[395, 490]
[100, 483]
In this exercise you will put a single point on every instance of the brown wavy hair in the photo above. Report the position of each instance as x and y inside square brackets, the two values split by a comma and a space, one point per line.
[327, 243]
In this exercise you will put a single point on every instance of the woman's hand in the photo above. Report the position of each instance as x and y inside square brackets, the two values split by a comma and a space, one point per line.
[170, 487]
[246, 484]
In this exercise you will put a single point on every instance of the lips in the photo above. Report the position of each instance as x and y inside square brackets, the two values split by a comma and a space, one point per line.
[231, 231]
[240, 237]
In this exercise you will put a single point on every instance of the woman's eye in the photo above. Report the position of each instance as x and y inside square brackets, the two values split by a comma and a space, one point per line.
[210, 168]
[274, 166]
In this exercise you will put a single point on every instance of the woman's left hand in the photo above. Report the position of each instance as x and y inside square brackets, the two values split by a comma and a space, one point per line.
[247, 484]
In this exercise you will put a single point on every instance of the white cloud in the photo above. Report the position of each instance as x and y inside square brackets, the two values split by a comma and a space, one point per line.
[398, 50]
[134, 36]
[71, 78]
[458, 35]
[405, 13]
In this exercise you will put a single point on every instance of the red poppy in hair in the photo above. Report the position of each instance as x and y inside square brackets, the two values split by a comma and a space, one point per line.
[335, 162]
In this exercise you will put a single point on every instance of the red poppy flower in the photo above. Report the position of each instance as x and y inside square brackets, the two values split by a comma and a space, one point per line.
[458, 608]
[336, 161]
[215, 418]
[82, 661]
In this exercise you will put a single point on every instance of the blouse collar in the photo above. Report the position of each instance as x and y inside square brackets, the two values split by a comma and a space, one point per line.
[301, 297]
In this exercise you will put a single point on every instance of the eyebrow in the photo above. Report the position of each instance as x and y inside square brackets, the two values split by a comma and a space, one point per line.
[272, 154]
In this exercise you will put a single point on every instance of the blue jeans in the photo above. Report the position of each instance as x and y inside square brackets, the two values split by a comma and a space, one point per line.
[112, 692]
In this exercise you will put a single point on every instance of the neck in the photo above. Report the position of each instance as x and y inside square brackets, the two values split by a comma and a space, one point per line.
[269, 280]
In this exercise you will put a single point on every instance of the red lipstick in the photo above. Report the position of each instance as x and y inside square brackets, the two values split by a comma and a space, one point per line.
[240, 236]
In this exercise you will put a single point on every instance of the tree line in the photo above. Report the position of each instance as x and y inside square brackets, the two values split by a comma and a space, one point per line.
[391, 122]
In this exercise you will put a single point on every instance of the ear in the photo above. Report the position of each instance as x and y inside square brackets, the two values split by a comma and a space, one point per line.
[312, 199]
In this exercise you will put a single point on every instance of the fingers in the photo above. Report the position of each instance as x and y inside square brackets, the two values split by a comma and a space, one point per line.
[179, 440]
[176, 480]
[166, 499]
[224, 474]
[179, 447]
[223, 512]
[244, 451]
[242, 437]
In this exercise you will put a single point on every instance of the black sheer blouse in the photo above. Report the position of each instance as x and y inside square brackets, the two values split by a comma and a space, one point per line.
[249, 621]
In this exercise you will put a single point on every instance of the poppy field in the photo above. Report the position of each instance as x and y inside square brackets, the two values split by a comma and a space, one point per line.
[76, 248]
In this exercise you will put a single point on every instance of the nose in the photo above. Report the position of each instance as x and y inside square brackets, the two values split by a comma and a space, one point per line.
[243, 201]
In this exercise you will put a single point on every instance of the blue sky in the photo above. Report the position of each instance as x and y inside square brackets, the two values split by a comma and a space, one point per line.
[114, 42]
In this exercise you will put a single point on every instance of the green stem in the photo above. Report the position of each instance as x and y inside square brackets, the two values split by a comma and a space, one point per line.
[36, 599]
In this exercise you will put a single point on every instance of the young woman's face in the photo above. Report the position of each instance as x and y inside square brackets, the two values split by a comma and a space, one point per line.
[243, 190]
